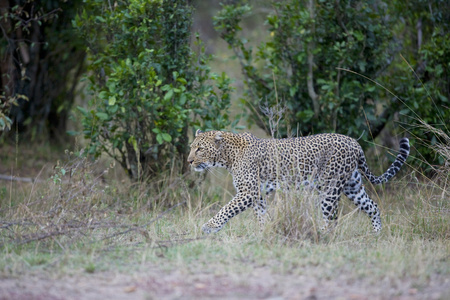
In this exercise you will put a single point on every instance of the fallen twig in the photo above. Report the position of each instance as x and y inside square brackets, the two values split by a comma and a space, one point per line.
[22, 179]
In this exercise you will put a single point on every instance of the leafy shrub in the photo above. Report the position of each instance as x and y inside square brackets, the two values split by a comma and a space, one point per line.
[148, 86]
[428, 99]
[309, 45]
[5, 107]
[300, 63]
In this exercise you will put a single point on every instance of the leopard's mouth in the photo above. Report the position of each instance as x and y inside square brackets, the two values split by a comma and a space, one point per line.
[200, 167]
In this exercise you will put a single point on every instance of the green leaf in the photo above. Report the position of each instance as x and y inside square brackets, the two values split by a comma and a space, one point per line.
[168, 95]
[82, 110]
[167, 137]
[112, 100]
[182, 100]
[159, 138]
[292, 91]
[102, 116]
[359, 36]
[182, 80]
[100, 19]
[371, 88]
[103, 94]
[166, 87]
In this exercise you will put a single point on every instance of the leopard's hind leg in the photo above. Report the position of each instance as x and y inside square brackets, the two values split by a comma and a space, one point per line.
[330, 194]
[259, 208]
[354, 190]
[329, 206]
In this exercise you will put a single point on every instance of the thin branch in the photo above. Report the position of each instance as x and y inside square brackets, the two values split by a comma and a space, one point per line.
[22, 179]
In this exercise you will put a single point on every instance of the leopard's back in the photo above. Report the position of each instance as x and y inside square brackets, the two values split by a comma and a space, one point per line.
[321, 156]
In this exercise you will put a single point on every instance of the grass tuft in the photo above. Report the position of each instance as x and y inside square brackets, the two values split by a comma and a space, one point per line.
[294, 217]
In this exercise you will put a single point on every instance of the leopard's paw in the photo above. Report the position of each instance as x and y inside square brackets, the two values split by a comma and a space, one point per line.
[210, 227]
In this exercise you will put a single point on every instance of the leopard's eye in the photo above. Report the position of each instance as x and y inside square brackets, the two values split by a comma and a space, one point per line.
[199, 149]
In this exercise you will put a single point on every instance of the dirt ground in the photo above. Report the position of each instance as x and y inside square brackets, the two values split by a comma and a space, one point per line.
[261, 283]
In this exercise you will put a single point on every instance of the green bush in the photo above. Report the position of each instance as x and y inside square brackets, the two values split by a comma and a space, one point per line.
[299, 64]
[148, 86]
[309, 43]
[425, 90]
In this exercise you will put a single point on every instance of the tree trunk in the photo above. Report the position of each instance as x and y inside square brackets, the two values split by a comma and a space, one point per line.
[310, 79]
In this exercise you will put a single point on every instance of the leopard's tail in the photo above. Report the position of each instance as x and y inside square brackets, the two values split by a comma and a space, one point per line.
[392, 170]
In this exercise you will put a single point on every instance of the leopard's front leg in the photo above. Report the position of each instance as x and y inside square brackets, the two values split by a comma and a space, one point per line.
[238, 204]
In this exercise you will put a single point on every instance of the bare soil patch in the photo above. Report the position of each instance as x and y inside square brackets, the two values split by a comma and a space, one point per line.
[152, 282]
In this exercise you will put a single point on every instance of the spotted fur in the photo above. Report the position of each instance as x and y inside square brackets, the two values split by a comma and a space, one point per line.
[331, 163]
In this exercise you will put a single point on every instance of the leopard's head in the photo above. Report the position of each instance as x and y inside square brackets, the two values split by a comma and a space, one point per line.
[206, 150]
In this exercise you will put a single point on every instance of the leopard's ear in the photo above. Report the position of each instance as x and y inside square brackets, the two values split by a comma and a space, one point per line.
[218, 137]
[197, 133]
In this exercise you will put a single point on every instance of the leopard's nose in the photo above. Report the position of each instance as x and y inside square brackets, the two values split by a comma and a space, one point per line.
[190, 161]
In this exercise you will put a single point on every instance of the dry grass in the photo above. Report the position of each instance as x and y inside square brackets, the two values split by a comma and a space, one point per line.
[77, 205]
[295, 217]
[442, 149]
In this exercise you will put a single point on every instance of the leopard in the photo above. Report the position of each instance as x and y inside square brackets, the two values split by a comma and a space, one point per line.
[329, 163]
